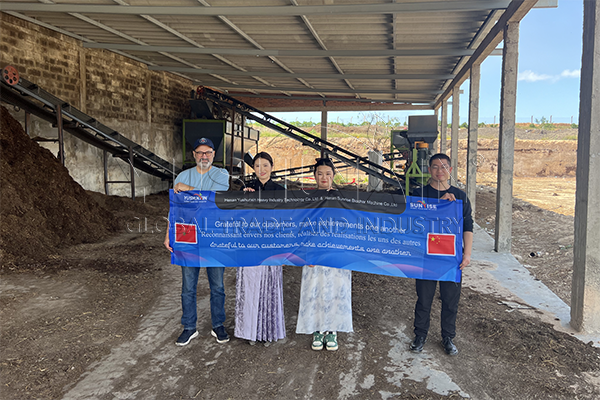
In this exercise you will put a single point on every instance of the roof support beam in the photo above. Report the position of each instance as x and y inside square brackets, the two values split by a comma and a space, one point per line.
[514, 13]
[316, 36]
[302, 75]
[243, 34]
[476, 42]
[281, 104]
[287, 53]
[420, 104]
[323, 90]
[246, 11]
[188, 40]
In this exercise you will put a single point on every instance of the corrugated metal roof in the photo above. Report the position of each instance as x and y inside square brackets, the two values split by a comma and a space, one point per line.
[370, 50]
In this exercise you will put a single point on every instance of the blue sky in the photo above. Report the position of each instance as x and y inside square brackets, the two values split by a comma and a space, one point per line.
[550, 45]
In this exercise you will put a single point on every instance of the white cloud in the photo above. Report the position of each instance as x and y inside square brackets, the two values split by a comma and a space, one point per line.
[530, 76]
[576, 73]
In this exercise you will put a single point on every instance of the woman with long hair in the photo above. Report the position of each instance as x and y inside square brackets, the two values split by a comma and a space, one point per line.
[325, 293]
[259, 290]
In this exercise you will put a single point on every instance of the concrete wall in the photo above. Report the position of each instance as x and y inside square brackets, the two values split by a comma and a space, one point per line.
[146, 106]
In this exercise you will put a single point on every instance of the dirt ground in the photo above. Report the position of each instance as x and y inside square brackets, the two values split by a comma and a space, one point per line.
[67, 307]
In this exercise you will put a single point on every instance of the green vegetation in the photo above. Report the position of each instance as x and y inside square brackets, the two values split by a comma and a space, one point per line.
[376, 128]
[303, 124]
[339, 179]
[545, 124]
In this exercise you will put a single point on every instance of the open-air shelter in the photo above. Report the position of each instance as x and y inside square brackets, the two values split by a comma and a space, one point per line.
[314, 55]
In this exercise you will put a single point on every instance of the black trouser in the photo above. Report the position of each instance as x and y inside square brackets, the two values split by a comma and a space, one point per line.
[450, 294]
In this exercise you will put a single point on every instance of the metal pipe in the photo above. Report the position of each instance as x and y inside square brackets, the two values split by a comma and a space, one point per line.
[132, 173]
[61, 144]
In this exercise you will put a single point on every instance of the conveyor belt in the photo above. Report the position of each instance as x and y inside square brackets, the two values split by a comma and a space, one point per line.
[28, 96]
[308, 169]
[349, 158]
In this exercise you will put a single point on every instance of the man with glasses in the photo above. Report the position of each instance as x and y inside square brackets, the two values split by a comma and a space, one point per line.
[203, 177]
[439, 188]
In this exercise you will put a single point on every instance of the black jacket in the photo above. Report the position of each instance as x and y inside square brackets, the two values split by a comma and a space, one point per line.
[429, 192]
[270, 185]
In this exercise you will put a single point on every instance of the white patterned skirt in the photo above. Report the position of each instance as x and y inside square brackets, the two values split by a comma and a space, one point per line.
[325, 300]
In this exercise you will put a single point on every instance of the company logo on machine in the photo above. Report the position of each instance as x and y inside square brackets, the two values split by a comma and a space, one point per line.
[421, 205]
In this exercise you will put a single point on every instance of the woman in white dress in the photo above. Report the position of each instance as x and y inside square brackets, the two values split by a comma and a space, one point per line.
[325, 293]
[259, 290]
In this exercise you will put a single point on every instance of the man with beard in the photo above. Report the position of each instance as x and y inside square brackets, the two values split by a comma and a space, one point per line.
[203, 177]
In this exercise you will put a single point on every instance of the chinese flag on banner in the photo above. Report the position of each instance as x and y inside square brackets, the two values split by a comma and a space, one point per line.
[185, 233]
[441, 244]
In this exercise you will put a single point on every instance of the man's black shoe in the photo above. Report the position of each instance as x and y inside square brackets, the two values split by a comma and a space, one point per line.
[221, 334]
[417, 345]
[186, 336]
[449, 347]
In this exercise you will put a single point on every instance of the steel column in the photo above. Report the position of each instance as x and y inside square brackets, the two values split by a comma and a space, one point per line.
[243, 164]
[435, 144]
[454, 134]
[323, 130]
[27, 123]
[105, 162]
[444, 127]
[232, 141]
[61, 144]
[132, 173]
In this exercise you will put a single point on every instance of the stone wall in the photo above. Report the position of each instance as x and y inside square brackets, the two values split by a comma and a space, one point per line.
[145, 106]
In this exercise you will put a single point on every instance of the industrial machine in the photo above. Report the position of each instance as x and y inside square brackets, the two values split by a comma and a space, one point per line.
[226, 128]
[416, 147]
[223, 106]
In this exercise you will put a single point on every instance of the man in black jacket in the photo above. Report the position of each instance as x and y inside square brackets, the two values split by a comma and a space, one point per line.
[439, 188]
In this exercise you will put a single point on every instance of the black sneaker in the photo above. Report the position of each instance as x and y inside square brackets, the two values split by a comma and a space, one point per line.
[221, 334]
[449, 347]
[417, 345]
[186, 336]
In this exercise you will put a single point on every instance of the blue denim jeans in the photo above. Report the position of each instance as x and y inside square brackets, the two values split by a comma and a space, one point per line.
[189, 278]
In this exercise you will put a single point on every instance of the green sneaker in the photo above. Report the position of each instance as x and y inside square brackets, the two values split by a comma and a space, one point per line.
[317, 343]
[331, 341]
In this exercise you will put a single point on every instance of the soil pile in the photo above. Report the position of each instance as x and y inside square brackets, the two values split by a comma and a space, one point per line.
[42, 207]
